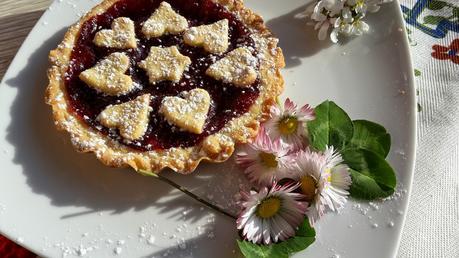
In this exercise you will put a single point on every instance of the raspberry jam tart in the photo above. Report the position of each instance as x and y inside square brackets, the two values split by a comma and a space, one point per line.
[156, 84]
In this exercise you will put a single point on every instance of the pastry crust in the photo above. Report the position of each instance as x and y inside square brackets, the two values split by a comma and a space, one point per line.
[217, 147]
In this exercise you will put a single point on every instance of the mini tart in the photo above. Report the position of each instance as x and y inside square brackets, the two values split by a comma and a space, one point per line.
[234, 112]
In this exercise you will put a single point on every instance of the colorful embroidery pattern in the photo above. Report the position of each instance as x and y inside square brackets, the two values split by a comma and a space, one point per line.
[434, 25]
[447, 53]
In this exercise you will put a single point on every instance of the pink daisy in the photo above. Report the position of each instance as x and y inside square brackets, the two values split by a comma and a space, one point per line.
[271, 215]
[288, 123]
[264, 160]
[324, 180]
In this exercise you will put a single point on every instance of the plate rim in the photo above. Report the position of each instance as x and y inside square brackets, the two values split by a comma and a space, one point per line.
[414, 123]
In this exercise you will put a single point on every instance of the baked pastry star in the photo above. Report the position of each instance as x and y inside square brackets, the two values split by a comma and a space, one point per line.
[165, 64]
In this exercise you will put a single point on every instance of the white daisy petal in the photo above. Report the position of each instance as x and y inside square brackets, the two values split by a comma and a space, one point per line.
[324, 180]
[273, 216]
[287, 125]
[340, 177]
[264, 159]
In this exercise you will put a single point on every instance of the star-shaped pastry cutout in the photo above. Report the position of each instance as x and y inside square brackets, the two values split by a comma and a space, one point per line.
[108, 75]
[165, 64]
[164, 21]
[189, 112]
[237, 67]
[131, 118]
[122, 35]
[212, 37]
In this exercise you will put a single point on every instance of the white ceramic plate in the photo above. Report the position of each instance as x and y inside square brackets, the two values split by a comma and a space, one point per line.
[60, 203]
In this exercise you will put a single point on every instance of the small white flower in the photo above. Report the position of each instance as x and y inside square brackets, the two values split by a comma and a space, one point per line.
[343, 17]
[324, 180]
[371, 6]
[334, 7]
[271, 215]
[346, 15]
[287, 123]
[359, 27]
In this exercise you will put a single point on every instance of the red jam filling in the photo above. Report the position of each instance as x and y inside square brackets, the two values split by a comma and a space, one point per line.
[228, 101]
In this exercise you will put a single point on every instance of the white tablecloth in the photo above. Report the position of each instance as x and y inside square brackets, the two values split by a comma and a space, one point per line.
[432, 225]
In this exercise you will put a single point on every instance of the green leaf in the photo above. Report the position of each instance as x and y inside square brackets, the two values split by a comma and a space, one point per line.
[304, 237]
[332, 126]
[436, 5]
[434, 20]
[370, 136]
[372, 176]
[417, 72]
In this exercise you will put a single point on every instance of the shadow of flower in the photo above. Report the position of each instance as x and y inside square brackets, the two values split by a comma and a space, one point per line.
[296, 38]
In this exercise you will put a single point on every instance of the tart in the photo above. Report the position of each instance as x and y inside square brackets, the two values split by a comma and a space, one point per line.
[155, 84]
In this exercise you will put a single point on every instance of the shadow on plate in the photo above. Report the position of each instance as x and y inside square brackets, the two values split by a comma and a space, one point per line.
[296, 38]
[54, 169]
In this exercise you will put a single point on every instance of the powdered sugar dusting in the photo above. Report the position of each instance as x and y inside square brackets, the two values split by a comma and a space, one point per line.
[213, 37]
[122, 35]
[165, 64]
[131, 118]
[237, 67]
[164, 21]
[108, 75]
[189, 112]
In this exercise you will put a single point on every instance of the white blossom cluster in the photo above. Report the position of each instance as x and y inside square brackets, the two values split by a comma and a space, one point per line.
[343, 17]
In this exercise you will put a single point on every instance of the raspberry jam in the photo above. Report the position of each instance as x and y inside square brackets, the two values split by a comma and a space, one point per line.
[228, 101]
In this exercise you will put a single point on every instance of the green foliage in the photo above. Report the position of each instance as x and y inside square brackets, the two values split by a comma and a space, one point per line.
[370, 136]
[436, 5]
[364, 146]
[332, 126]
[433, 20]
[304, 237]
[372, 176]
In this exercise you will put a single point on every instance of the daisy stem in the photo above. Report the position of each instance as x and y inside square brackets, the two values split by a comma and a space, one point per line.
[190, 194]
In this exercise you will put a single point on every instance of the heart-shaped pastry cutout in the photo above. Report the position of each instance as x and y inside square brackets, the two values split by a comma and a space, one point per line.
[122, 35]
[131, 118]
[213, 37]
[108, 75]
[237, 67]
[165, 64]
[189, 112]
[164, 21]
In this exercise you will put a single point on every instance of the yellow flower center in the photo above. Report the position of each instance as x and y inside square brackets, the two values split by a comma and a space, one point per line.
[288, 125]
[268, 207]
[268, 159]
[308, 186]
